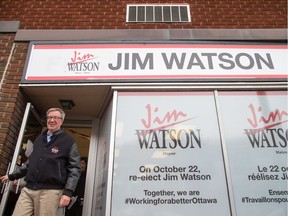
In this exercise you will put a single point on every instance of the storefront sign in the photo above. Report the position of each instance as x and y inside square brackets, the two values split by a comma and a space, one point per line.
[256, 135]
[168, 158]
[154, 61]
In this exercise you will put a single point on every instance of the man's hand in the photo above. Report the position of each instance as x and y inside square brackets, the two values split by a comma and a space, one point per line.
[64, 201]
[4, 178]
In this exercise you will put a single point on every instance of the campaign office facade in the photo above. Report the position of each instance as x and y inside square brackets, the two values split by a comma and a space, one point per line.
[181, 119]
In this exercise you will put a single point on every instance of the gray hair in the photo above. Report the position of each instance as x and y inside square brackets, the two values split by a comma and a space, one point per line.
[56, 109]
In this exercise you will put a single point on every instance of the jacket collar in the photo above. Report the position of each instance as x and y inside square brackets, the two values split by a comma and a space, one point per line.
[55, 133]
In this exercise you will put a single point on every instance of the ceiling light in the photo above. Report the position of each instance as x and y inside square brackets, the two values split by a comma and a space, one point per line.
[67, 104]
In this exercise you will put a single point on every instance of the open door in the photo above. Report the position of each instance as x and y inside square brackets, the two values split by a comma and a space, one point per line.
[31, 127]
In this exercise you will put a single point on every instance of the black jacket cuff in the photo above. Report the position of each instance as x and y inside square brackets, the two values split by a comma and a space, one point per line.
[68, 192]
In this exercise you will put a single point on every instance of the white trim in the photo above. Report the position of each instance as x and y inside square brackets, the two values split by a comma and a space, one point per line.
[91, 168]
[111, 155]
[6, 66]
[225, 155]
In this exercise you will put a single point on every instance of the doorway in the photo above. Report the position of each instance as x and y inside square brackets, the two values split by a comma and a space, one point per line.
[32, 125]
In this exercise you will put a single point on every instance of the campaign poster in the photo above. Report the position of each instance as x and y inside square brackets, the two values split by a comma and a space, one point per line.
[168, 158]
[255, 131]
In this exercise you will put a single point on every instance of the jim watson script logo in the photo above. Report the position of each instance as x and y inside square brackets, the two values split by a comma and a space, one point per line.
[160, 134]
[82, 62]
[264, 132]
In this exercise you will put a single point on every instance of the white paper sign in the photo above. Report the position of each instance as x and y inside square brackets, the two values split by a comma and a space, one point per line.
[256, 134]
[168, 159]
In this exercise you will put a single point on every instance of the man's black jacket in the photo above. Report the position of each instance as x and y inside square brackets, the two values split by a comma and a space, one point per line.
[52, 165]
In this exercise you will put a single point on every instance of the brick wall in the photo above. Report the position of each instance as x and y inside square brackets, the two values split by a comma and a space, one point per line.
[111, 14]
[12, 101]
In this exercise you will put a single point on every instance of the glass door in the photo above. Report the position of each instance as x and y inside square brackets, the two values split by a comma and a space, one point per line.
[30, 128]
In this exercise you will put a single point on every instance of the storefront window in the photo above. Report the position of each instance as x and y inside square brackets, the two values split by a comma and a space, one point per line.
[212, 153]
[168, 158]
[255, 128]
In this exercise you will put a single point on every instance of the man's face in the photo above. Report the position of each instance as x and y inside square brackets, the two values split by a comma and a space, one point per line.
[54, 121]
[83, 165]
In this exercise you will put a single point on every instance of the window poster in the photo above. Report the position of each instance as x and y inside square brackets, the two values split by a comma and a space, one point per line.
[168, 159]
[255, 128]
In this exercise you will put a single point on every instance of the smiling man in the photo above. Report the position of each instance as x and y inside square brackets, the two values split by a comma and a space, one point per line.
[51, 173]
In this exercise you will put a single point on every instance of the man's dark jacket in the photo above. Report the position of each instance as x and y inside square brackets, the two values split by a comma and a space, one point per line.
[52, 165]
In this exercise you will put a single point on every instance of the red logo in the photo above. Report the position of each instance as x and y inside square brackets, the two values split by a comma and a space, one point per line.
[271, 120]
[156, 135]
[169, 119]
[54, 150]
[79, 57]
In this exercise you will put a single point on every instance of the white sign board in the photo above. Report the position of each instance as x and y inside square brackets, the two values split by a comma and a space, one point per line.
[154, 61]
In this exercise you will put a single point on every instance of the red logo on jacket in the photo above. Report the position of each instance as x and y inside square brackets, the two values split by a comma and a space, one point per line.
[54, 150]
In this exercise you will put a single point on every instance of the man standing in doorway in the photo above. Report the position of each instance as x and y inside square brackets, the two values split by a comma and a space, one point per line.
[75, 208]
[51, 173]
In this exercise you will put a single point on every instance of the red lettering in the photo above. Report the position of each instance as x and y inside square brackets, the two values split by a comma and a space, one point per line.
[277, 115]
[157, 120]
[77, 57]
